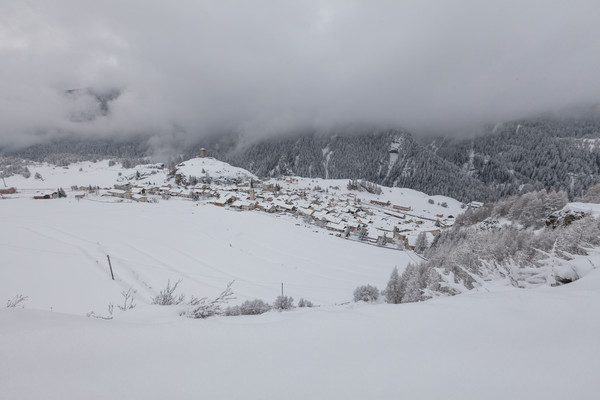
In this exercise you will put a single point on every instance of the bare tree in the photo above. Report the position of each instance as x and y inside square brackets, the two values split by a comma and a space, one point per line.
[128, 303]
[205, 307]
[166, 296]
[17, 301]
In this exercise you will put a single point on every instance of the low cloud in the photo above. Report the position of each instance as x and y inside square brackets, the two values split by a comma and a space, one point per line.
[188, 69]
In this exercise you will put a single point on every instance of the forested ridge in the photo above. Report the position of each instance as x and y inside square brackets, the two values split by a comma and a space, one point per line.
[504, 159]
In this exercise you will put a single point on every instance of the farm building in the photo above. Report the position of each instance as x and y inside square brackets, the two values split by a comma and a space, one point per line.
[46, 196]
[123, 194]
[10, 190]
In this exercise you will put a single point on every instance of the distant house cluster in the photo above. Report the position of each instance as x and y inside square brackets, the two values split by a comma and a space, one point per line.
[378, 221]
[129, 191]
[368, 217]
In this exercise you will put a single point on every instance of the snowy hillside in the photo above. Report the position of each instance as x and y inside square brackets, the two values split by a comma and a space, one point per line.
[211, 167]
[100, 173]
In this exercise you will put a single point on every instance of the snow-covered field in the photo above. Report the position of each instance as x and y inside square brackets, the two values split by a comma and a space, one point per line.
[498, 343]
[55, 252]
[513, 344]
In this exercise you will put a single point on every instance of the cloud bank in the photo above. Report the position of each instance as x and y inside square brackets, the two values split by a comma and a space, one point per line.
[191, 68]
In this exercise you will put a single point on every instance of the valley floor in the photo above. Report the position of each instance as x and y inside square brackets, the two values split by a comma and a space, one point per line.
[55, 252]
[506, 343]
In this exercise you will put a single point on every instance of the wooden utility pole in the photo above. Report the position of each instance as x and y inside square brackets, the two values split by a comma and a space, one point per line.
[281, 289]
[110, 266]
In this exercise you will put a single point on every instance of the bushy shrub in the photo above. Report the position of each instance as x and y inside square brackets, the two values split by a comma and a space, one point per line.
[254, 307]
[366, 293]
[233, 311]
[249, 307]
[283, 303]
[304, 303]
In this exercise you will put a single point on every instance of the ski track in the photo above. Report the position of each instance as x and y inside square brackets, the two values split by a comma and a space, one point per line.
[94, 260]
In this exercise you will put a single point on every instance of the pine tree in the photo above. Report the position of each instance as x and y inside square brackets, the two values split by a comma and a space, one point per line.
[393, 290]
[421, 244]
[363, 233]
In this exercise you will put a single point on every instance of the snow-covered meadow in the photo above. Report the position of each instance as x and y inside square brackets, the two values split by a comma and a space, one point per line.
[55, 252]
[513, 344]
[495, 343]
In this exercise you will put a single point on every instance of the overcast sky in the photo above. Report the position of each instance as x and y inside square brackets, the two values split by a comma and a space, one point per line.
[192, 67]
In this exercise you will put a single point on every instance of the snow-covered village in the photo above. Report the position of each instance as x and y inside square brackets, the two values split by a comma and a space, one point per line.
[351, 209]
[299, 200]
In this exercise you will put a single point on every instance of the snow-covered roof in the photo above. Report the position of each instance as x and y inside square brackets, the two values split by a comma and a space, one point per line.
[338, 227]
[588, 208]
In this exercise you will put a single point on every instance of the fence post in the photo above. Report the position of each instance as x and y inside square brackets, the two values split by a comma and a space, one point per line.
[110, 266]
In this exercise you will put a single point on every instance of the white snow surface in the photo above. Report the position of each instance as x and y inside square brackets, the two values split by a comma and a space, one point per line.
[495, 343]
[212, 167]
[55, 252]
[511, 344]
[588, 208]
[80, 174]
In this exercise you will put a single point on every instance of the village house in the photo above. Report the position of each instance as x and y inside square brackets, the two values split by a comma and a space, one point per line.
[267, 207]
[126, 186]
[46, 196]
[475, 204]
[305, 211]
[119, 193]
[164, 189]
[373, 236]
[224, 200]
[244, 205]
[10, 190]
[178, 192]
[138, 190]
[139, 198]
[335, 227]
[153, 190]
[381, 203]
[281, 206]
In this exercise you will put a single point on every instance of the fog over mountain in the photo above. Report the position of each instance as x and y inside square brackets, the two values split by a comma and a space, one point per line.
[180, 70]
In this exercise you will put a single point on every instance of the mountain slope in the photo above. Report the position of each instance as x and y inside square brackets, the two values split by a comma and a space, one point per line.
[509, 158]
[388, 157]
[540, 153]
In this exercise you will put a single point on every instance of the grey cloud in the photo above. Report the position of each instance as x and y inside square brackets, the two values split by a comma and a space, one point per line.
[262, 67]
